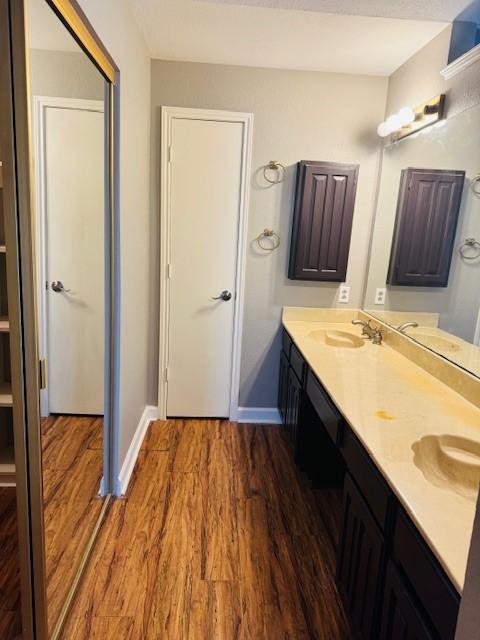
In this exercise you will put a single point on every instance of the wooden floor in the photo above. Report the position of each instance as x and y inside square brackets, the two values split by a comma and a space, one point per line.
[72, 470]
[10, 615]
[217, 539]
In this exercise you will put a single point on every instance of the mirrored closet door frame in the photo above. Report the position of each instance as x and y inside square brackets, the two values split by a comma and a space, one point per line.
[26, 380]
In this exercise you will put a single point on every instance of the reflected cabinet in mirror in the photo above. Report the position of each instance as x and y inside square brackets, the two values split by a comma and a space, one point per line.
[425, 254]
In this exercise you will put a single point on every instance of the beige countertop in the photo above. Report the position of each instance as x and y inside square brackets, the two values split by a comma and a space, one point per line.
[391, 403]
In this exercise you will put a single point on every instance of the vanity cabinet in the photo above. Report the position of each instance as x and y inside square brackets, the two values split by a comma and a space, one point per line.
[391, 584]
[322, 221]
[425, 226]
[400, 615]
[360, 562]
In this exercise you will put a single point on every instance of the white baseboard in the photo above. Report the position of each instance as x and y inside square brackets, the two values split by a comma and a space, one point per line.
[262, 415]
[149, 413]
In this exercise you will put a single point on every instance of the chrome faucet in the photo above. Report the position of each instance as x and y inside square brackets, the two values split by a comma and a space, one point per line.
[405, 325]
[367, 327]
[374, 334]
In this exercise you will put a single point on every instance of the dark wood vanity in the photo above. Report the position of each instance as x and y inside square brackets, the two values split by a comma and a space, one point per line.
[392, 585]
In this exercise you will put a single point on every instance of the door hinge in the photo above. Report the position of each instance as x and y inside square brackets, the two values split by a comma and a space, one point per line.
[167, 374]
[169, 271]
[43, 373]
[170, 153]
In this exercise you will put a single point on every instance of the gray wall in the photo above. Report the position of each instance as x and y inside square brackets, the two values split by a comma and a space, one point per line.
[64, 74]
[419, 79]
[117, 28]
[298, 115]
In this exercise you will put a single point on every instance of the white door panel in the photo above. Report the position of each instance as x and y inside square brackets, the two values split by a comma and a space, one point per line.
[74, 248]
[206, 169]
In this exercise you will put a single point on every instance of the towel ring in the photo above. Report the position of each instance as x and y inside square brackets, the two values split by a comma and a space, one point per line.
[470, 243]
[274, 165]
[475, 184]
[268, 233]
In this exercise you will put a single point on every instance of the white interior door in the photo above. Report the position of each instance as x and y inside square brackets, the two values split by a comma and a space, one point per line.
[74, 255]
[205, 192]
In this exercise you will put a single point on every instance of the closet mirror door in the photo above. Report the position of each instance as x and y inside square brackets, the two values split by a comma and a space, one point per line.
[68, 146]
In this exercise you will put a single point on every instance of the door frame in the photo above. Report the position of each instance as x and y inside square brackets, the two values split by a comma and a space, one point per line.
[40, 104]
[246, 119]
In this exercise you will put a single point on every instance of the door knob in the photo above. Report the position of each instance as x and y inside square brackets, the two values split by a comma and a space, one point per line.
[225, 296]
[57, 286]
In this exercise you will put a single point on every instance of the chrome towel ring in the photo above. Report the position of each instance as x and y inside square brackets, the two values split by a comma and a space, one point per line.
[475, 184]
[468, 245]
[270, 235]
[278, 167]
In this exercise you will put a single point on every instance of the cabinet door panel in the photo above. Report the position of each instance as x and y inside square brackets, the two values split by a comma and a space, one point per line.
[294, 406]
[401, 620]
[359, 563]
[427, 215]
[283, 386]
[322, 223]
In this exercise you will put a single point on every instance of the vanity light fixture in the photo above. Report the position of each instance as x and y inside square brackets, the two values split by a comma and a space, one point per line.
[408, 120]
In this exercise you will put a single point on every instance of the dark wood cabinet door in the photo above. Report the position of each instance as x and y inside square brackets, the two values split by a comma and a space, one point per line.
[294, 402]
[360, 563]
[283, 386]
[401, 619]
[425, 227]
[322, 221]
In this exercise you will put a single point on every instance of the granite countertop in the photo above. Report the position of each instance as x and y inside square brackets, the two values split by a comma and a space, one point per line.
[391, 403]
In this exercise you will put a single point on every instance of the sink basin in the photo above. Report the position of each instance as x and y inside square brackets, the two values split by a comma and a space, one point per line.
[437, 343]
[342, 339]
[450, 462]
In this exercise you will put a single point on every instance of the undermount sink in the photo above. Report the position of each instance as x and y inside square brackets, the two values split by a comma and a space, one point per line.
[437, 343]
[450, 462]
[333, 338]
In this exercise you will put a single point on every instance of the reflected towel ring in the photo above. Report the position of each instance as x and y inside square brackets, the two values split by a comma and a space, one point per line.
[470, 243]
[475, 184]
[274, 165]
[270, 234]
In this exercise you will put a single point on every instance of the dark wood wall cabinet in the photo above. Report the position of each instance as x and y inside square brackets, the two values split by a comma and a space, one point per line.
[425, 226]
[392, 586]
[322, 220]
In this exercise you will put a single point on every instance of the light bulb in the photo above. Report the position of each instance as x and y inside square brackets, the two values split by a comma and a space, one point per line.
[383, 130]
[394, 122]
[406, 115]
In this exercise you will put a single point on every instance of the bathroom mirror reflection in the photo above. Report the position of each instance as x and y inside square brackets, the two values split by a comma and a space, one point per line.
[425, 254]
[68, 139]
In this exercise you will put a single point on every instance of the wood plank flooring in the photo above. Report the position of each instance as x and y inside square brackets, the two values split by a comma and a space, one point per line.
[72, 470]
[217, 539]
[10, 615]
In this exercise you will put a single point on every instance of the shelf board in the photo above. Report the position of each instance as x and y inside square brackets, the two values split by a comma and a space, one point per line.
[3, 248]
[7, 467]
[4, 324]
[6, 399]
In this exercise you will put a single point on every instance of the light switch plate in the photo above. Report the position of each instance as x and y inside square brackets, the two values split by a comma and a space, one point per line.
[344, 294]
[380, 295]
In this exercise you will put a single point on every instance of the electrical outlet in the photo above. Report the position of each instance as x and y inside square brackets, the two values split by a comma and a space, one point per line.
[344, 294]
[380, 295]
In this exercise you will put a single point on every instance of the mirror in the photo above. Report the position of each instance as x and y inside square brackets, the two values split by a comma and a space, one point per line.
[10, 603]
[69, 155]
[426, 240]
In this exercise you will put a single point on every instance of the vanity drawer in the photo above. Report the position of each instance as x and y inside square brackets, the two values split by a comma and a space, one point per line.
[427, 580]
[370, 481]
[326, 410]
[286, 343]
[297, 362]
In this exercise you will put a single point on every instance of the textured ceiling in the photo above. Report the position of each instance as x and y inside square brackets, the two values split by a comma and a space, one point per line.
[442, 10]
[45, 31]
[222, 33]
